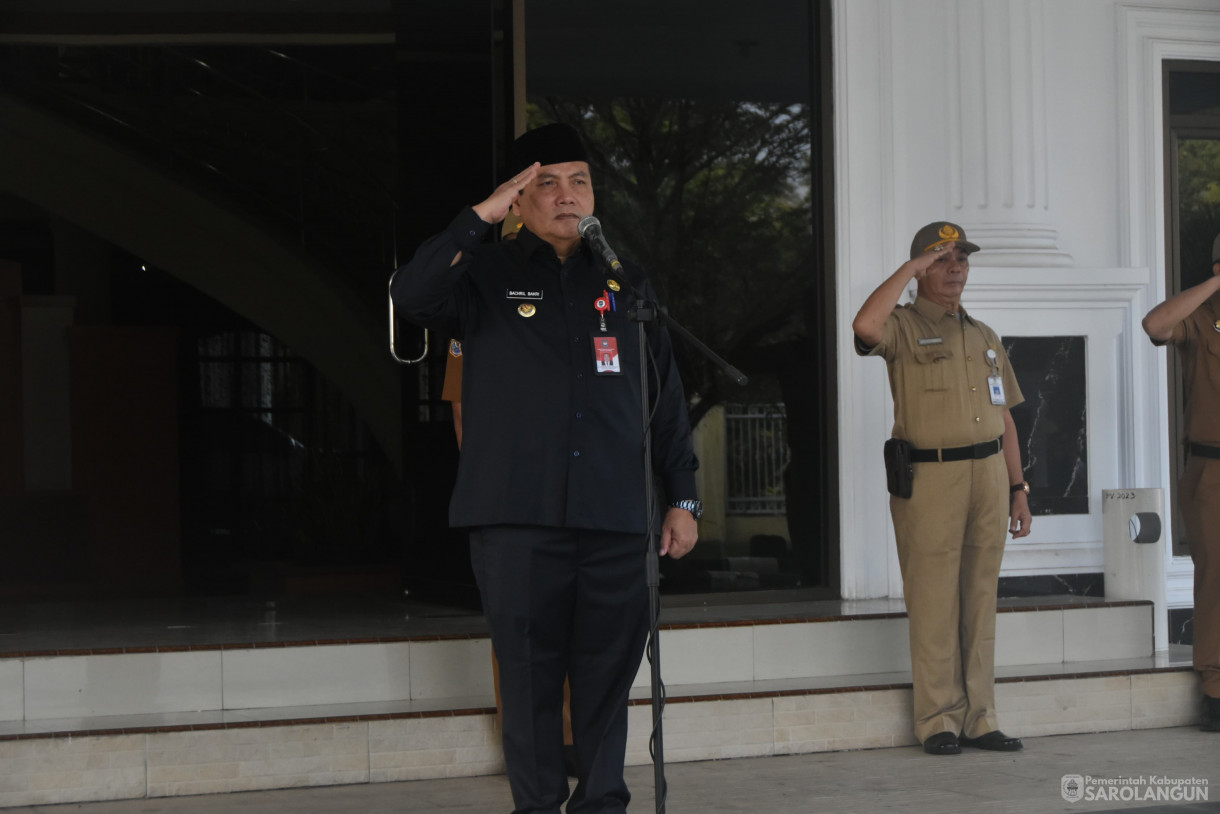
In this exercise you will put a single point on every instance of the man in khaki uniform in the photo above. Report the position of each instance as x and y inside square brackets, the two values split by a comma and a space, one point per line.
[952, 386]
[1190, 321]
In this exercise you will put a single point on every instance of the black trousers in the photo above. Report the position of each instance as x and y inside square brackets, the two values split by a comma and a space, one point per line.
[564, 602]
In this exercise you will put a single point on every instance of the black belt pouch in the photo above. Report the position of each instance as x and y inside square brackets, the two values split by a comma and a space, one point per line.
[899, 468]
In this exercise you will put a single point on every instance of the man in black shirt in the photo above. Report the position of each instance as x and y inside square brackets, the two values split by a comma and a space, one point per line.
[551, 475]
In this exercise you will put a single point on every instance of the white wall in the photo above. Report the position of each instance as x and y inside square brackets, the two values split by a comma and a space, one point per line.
[1035, 124]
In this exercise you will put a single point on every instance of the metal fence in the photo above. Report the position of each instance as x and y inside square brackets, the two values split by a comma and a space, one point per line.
[756, 452]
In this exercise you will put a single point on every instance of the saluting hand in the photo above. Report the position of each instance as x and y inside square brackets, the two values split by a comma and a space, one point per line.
[495, 208]
[921, 264]
[679, 532]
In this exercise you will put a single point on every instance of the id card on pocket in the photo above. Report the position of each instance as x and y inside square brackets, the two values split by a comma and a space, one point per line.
[605, 355]
[996, 385]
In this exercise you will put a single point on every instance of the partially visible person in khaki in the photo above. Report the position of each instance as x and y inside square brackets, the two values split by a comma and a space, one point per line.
[451, 388]
[968, 484]
[1190, 321]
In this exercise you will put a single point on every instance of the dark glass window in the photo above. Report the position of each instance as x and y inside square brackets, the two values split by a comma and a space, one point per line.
[704, 123]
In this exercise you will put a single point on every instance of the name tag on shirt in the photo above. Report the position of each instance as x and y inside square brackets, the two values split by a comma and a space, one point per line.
[996, 385]
[523, 294]
[931, 340]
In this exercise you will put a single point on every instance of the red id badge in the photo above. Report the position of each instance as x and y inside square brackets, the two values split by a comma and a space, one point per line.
[605, 354]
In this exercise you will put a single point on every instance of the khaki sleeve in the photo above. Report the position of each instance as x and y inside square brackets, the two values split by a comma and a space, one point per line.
[1183, 333]
[889, 337]
[451, 390]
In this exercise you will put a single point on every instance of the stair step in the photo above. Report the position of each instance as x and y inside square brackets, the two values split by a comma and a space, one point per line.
[38, 686]
[130, 722]
[62, 760]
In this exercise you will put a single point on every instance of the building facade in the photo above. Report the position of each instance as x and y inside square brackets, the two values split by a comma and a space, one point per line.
[1048, 130]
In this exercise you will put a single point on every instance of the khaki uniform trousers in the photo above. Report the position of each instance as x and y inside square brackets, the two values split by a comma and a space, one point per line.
[950, 535]
[1199, 499]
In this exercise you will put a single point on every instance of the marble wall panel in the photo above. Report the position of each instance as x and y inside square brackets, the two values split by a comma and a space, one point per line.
[1052, 423]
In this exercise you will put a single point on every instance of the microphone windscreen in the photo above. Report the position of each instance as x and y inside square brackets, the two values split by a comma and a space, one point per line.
[587, 223]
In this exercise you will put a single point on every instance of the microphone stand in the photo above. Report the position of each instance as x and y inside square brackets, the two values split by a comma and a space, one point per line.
[645, 311]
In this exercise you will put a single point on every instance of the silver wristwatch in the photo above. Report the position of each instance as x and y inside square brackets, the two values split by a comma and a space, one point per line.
[695, 507]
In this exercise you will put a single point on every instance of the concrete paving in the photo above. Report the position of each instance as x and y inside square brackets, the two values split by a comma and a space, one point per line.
[1119, 771]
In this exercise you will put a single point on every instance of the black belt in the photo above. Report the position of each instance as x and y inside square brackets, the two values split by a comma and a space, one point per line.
[1204, 450]
[972, 452]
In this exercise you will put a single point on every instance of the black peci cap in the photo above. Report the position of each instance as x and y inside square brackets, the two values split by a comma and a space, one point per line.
[549, 144]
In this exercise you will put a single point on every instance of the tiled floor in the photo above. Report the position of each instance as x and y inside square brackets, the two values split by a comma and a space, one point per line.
[182, 622]
[893, 780]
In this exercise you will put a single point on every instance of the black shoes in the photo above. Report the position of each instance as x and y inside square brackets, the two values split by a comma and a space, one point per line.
[946, 743]
[1211, 714]
[994, 741]
[942, 743]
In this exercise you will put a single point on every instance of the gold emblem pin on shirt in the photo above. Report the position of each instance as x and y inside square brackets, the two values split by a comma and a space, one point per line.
[612, 285]
[1216, 325]
[526, 309]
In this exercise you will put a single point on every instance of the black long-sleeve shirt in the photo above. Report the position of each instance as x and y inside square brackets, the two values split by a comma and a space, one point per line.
[546, 440]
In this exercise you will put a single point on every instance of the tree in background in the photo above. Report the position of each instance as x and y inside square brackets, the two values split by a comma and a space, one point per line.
[713, 200]
[1198, 206]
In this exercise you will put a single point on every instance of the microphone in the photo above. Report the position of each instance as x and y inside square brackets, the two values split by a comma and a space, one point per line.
[590, 229]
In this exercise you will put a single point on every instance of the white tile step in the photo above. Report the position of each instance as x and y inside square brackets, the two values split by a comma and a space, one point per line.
[440, 670]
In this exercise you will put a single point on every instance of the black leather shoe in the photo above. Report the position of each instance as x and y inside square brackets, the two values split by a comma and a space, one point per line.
[942, 743]
[995, 741]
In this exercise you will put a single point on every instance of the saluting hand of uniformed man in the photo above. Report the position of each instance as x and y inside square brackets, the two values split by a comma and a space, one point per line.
[1160, 321]
[926, 262]
[880, 303]
[495, 208]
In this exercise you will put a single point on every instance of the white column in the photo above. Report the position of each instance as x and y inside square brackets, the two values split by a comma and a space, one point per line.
[997, 137]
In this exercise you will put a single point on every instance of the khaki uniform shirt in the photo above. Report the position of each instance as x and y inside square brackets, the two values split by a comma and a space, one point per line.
[1197, 339]
[939, 366]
